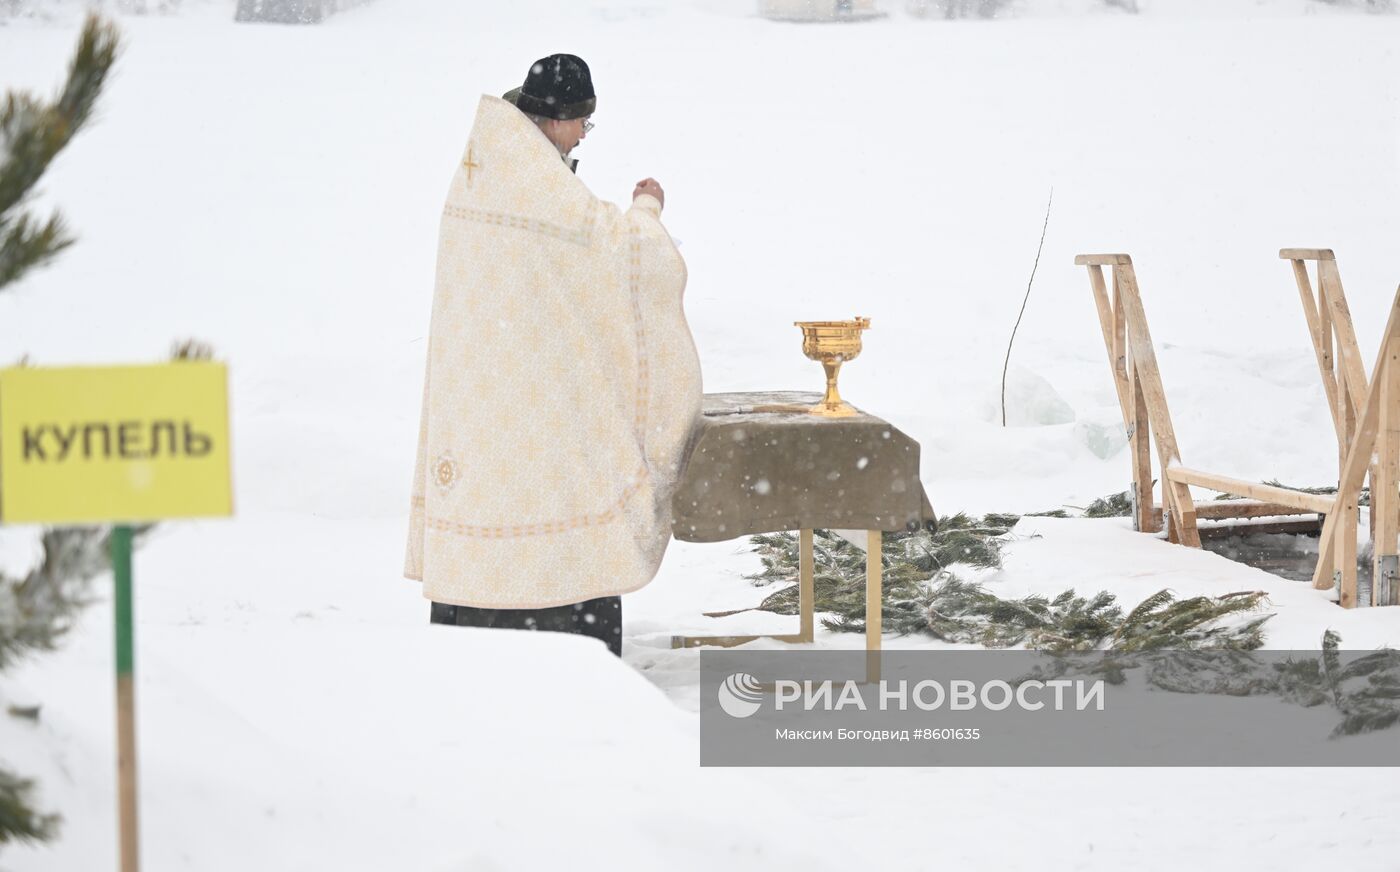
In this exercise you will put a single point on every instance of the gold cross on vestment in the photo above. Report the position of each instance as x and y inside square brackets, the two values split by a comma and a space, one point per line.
[470, 164]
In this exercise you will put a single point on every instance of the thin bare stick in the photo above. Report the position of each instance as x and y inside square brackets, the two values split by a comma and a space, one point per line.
[1007, 365]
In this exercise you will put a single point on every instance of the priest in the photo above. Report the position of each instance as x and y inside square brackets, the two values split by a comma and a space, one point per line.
[562, 385]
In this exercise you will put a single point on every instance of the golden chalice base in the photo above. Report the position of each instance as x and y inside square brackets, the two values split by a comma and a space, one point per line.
[832, 343]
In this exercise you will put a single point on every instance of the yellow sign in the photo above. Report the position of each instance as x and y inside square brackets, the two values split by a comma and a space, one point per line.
[114, 443]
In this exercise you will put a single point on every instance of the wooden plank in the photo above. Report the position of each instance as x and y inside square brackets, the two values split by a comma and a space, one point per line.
[806, 586]
[1143, 484]
[1242, 509]
[1181, 510]
[1385, 523]
[1120, 344]
[1350, 368]
[1102, 260]
[874, 613]
[1345, 567]
[1214, 510]
[1107, 324]
[1306, 254]
[874, 604]
[1355, 468]
[1324, 364]
[1349, 363]
[1345, 422]
[1306, 525]
[1138, 424]
[1329, 362]
[1111, 324]
[1141, 440]
[1264, 492]
[1178, 496]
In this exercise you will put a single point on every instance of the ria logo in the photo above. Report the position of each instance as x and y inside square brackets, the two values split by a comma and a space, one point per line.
[740, 695]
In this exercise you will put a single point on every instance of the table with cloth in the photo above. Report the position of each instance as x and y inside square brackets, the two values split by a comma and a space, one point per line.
[754, 470]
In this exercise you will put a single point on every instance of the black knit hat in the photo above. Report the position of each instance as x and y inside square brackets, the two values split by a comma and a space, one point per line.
[558, 86]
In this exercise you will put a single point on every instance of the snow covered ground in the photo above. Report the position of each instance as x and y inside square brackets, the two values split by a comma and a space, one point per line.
[275, 192]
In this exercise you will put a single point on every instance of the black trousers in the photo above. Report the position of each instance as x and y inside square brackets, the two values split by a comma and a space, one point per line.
[599, 618]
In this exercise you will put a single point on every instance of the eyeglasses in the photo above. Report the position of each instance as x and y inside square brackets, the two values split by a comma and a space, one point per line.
[587, 126]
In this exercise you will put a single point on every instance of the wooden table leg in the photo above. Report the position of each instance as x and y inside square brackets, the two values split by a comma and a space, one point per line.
[873, 605]
[806, 585]
[806, 597]
[806, 605]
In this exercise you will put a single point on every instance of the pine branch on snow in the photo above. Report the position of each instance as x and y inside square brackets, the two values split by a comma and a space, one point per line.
[921, 594]
[908, 561]
[1365, 691]
[18, 822]
[1119, 505]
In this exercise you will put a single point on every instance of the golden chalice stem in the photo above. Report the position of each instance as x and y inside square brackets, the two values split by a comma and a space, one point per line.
[832, 400]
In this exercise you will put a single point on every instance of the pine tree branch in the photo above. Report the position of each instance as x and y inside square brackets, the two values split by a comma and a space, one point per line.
[25, 246]
[38, 610]
[921, 595]
[19, 822]
[22, 120]
[31, 136]
[97, 51]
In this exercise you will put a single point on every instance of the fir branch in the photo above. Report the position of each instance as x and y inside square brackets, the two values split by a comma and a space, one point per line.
[28, 245]
[31, 136]
[1365, 691]
[18, 821]
[921, 594]
[38, 610]
[97, 50]
[191, 349]
[1139, 615]
[1119, 505]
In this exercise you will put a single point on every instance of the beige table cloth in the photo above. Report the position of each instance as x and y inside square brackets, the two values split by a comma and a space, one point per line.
[761, 472]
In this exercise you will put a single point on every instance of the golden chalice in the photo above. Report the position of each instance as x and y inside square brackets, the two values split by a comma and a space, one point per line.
[832, 343]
